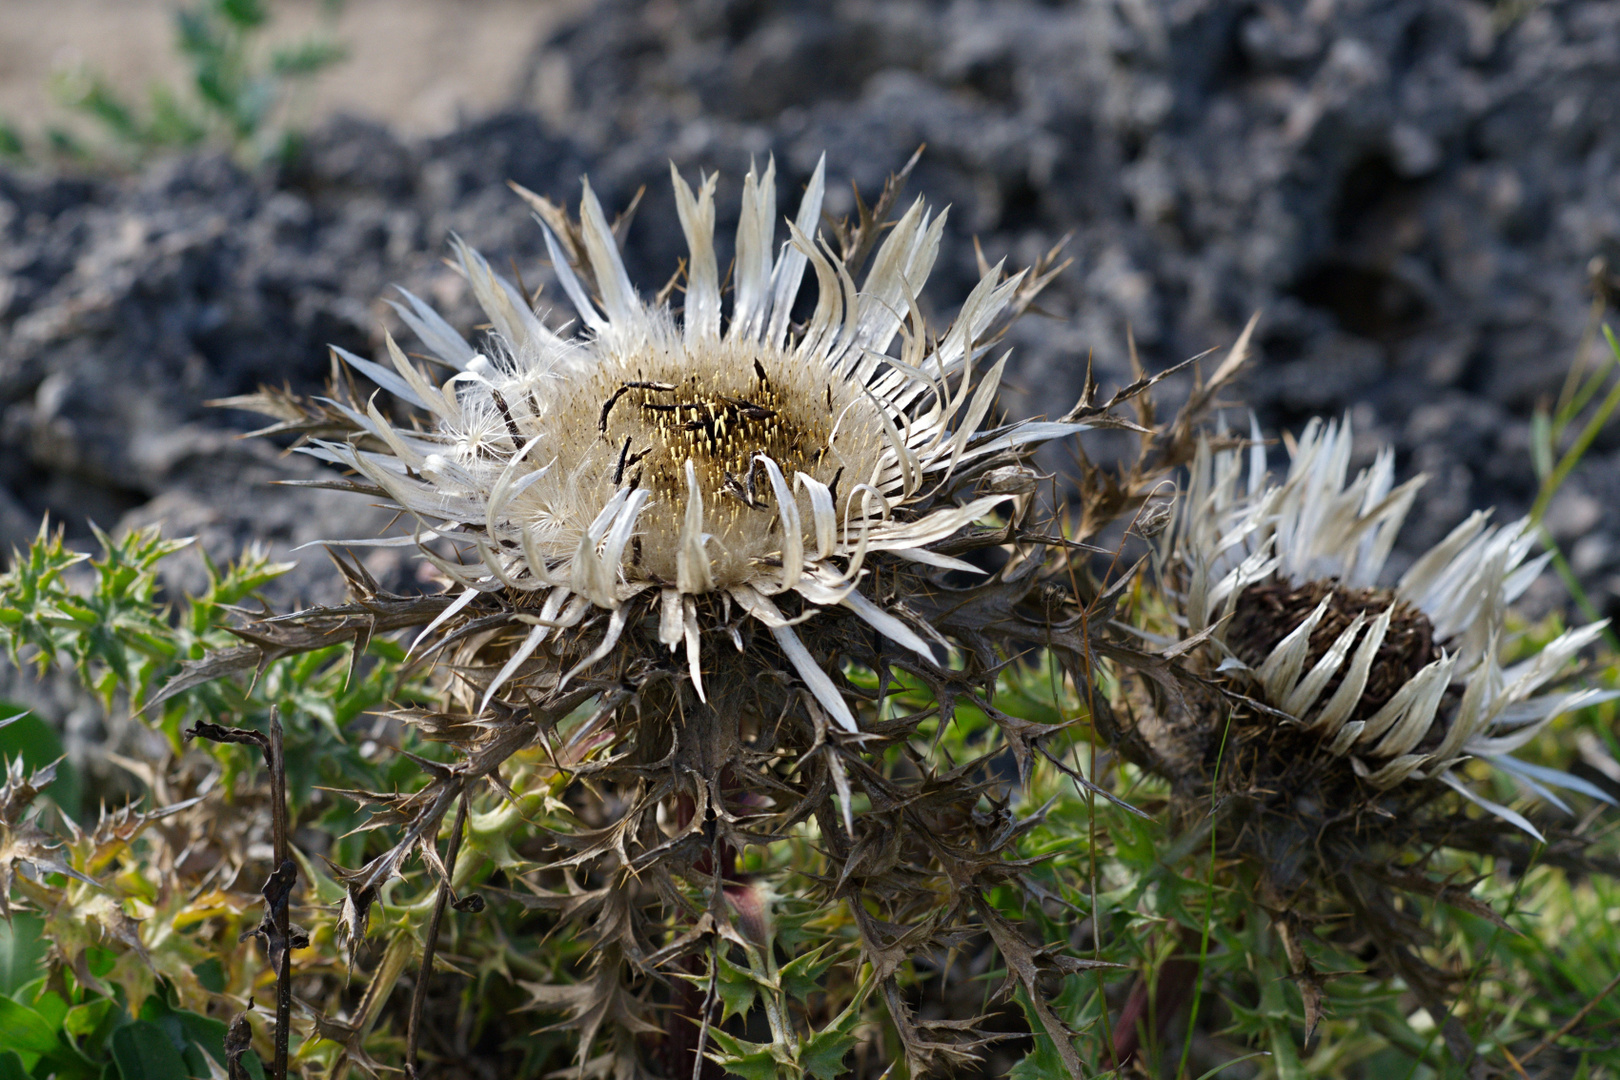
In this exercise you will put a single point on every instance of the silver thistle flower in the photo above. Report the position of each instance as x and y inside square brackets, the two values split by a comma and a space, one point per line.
[699, 456]
[774, 501]
[1403, 681]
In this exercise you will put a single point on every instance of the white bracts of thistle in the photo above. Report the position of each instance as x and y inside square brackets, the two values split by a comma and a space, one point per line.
[1318, 525]
[699, 455]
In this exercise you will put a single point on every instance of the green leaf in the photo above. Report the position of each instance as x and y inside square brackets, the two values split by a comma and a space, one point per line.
[172, 122]
[22, 951]
[736, 987]
[65, 144]
[211, 974]
[1284, 1054]
[11, 1067]
[11, 146]
[194, 1036]
[143, 1052]
[310, 58]
[1041, 1063]
[204, 1036]
[101, 101]
[248, 574]
[48, 1003]
[26, 1030]
[801, 976]
[822, 1054]
[739, 1057]
[195, 33]
[244, 13]
[1073, 1005]
[82, 1020]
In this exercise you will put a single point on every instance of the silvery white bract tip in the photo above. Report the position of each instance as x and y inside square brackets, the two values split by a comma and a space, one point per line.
[731, 454]
[1402, 680]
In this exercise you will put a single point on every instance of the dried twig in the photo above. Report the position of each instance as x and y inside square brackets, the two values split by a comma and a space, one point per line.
[708, 1008]
[1574, 1021]
[275, 930]
[278, 893]
[430, 943]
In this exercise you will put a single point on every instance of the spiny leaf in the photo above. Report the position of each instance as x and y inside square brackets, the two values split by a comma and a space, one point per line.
[215, 665]
[822, 1054]
[736, 987]
[739, 1057]
[802, 976]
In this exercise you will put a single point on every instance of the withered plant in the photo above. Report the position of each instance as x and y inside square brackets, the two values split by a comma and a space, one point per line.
[672, 546]
[1321, 720]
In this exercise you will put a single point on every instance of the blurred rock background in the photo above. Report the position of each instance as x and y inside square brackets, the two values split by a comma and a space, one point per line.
[1422, 197]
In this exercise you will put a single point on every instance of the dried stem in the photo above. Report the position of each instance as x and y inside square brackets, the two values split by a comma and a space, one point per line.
[287, 871]
[708, 1008]
[275, 929]
[419, 994]
[1574, 1021]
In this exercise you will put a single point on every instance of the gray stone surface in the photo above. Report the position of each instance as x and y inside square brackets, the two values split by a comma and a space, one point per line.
[1414, 193]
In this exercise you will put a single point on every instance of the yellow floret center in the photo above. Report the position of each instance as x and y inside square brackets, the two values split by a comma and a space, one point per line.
[637, 420]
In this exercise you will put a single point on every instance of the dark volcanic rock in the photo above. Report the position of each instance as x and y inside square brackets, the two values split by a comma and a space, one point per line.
[1418, 195]
[126, 305]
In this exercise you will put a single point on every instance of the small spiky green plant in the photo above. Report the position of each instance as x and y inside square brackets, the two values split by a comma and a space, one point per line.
[242, 94]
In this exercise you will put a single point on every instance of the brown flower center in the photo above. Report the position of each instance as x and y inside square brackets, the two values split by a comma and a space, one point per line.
[719, 429]
[725, 407]
[1269, 611]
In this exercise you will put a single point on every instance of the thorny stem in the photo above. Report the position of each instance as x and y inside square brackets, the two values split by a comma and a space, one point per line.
[708, 1008]
[781, 1029]
[430, 943]
[279, 910]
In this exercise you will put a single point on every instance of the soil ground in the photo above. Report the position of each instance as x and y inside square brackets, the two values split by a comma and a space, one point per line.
[419, 65]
